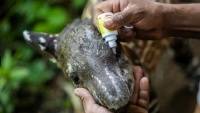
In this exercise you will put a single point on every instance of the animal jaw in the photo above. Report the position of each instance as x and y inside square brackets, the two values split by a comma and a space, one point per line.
[86, 59]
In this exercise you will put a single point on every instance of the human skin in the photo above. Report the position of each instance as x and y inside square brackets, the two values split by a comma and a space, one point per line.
[151, 20]
[140, 97]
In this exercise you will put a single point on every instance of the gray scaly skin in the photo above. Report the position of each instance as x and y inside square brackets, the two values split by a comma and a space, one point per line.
[86, 59]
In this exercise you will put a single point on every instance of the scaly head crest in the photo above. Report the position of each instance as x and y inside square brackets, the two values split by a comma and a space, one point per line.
[45, 43]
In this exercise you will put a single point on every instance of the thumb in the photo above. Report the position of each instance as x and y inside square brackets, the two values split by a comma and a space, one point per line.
[88, 102]
[87, 99]
[118, 20]
[143, 100]
[85, 96]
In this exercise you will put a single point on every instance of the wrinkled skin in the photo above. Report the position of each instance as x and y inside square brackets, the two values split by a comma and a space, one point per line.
[86, 59]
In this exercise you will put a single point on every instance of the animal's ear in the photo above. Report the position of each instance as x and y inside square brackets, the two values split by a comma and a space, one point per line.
[44, 43]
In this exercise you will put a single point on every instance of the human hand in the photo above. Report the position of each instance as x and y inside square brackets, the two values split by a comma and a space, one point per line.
[144, 15]
[89, 104]
[140, 97]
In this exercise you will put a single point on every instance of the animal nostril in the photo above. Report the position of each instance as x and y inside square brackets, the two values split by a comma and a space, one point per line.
[74, 77]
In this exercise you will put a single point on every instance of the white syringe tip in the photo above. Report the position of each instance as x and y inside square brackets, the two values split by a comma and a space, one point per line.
[112, 43]
[114, 50]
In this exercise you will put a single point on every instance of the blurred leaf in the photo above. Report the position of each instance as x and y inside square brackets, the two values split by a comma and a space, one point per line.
[57, 16]
[18, 74]
[54, 21]
[24, 53]
[30, 9]
[43, 11]
[7, 60]
[1, 109]
[39, 74]
[3, 72]
[6, 101]
[5, 26]
[41, 27]
[5, 97]
[78, 3]
[2, 83]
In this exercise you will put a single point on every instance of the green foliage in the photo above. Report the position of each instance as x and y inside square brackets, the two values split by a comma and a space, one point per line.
[14, 75]
[78, 3]
[21, 67]
[52, 21]
[10, 79]
[49, 19]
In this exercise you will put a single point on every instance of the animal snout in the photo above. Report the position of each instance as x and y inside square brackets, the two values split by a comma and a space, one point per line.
[111, 90]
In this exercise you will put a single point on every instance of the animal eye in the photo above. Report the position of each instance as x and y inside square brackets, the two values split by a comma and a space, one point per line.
[74, 77]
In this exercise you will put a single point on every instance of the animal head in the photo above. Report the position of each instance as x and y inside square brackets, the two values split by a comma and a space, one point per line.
[87, 60]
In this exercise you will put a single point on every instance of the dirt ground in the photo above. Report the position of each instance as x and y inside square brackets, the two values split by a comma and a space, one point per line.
[172, 86]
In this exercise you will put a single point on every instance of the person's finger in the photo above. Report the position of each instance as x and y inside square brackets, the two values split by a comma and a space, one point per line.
[113, 6]
[103, 7]
[85, 96]
[88, 102]
[117, 20]
[130, 14]
[137, 76]
[136, 109]
[143, 100]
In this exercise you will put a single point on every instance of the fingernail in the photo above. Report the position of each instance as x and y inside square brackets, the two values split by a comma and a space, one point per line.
[108, 22]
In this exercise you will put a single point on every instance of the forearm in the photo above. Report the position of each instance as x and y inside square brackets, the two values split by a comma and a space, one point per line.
[182, 20]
